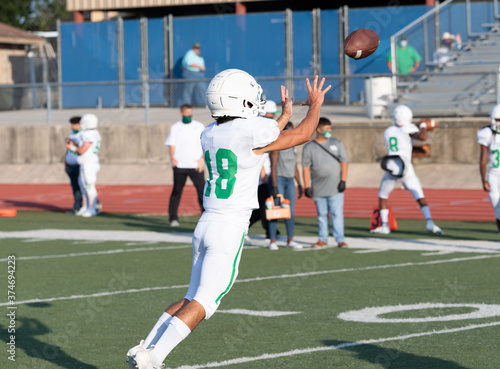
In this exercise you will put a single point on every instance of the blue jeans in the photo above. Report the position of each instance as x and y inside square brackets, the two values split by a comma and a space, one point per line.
[194, 92]
[286, 187]
[335, 205]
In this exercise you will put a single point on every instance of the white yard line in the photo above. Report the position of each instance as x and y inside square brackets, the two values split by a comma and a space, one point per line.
[256, 279]
[94, 253]
[242, 360]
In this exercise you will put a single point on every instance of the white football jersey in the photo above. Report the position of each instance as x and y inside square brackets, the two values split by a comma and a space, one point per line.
[231, 188]
[486, 137]
[399, 142]
[91, 155]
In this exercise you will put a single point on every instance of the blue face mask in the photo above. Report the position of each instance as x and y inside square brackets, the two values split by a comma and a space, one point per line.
[403, 43]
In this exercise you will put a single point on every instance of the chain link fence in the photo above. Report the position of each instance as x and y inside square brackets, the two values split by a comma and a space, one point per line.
[370, 91]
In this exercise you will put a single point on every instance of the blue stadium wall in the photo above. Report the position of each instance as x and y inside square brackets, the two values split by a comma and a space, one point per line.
[252, 42]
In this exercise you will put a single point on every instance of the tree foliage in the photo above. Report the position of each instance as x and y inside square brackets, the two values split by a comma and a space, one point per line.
[15, 13]
[33, 15]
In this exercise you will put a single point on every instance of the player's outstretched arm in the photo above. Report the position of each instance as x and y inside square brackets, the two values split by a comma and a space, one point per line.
[304, 131]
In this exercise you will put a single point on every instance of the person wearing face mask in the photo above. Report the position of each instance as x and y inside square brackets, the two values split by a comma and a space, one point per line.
[324, 162]
[447, 52]
[407, 57]
[186, 158]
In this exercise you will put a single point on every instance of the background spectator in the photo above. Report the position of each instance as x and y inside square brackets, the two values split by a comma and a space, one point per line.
[447, 52]
[407, 58]
[324, 162]
[283, 171]
[72, 168]
[193, 67]
[186, 158]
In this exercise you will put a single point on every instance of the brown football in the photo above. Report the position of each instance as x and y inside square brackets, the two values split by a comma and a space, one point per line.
[361, 43]
[430, 123]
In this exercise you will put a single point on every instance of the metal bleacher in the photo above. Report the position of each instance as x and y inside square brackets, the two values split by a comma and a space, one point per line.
[467, 86]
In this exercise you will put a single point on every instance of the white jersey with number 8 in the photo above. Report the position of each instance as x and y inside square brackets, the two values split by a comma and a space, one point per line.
[233, 169]
[399, 142]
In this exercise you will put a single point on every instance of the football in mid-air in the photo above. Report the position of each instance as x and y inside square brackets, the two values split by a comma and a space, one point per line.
[430, 123]
[361, 43]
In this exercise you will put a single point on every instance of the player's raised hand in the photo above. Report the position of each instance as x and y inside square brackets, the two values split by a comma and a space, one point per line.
[286, 103]
[316, 93]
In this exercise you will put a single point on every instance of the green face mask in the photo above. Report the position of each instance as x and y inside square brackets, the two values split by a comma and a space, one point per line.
[187, 119]
[76, 130]
[326, 134]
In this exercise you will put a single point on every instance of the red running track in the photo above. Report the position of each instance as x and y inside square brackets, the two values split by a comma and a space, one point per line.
[359, 202]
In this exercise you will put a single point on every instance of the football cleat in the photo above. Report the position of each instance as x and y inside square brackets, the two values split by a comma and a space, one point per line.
[144, 359]
[383, 229]
[431, 227]
[174, 223]
[132, 352]
[88, 214]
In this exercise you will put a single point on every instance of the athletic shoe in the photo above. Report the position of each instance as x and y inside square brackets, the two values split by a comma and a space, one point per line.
[98, 208]
[144, 359]
[320, 244]
[72, 212]
[88, 214]
[273, 246]
[174, 223]
[132, 352]
[294, 245]
[342, 245]
[431, 227]
[383, 229]
[81, 211]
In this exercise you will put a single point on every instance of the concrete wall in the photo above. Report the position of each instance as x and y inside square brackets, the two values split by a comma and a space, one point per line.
[135, 154]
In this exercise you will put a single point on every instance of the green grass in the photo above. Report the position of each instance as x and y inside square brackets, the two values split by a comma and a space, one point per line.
[96, 332]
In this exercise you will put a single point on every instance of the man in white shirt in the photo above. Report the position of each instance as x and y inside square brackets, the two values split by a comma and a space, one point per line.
[186, 158]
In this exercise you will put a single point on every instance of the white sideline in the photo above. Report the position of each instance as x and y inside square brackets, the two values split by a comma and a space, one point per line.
[242, 360]
[283, 276]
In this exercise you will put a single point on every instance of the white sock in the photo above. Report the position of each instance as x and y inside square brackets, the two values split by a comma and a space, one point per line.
[157, 331]
[176, 331]
[427, 213]
[384, 216]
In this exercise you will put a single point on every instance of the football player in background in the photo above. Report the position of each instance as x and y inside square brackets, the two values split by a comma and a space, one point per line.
[489, 162]
[234, 147]
[87, 149]
[399, 142]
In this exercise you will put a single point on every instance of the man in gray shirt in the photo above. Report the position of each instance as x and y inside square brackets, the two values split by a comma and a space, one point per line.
[324, 162]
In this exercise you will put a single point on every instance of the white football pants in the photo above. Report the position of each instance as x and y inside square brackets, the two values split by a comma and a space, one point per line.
[87, 181]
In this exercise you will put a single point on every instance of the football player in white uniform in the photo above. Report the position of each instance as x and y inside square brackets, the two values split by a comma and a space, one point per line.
[88, 149]
[399, 141]
[489, 162]
[234, 147]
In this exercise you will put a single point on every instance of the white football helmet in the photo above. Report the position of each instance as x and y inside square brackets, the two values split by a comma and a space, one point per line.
[495, 119]
[88, 121]
[234, 93]
[401, 116]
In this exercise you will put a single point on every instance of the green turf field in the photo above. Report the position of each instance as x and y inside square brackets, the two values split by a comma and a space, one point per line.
[82, 303]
